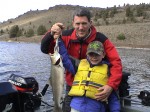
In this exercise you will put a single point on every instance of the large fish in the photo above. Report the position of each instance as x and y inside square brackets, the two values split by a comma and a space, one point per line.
[57, 78]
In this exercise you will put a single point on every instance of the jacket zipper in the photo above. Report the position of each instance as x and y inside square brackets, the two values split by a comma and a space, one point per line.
[80, 50]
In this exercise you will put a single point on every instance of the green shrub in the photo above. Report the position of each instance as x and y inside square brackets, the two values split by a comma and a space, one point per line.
[19, 33]
[29, 33]
[41, 30]
[129, 12]
[121, 37]
[13, 31]
[124, 21]
[2, 32]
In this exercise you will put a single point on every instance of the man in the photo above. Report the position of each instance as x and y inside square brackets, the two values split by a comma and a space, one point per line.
[76, 41]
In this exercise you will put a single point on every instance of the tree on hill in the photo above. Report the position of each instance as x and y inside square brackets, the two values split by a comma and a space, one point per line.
[1, 32]
[14, 31]
[29, 33]
[41, 30]
[113, 11]
[129, 12]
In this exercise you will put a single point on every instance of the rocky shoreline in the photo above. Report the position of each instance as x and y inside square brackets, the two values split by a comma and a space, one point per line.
[34, 39]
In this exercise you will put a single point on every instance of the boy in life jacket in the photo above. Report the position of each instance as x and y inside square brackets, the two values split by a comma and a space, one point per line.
[91, 74]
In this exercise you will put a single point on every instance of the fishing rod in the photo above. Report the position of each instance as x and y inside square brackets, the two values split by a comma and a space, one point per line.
[45, 89]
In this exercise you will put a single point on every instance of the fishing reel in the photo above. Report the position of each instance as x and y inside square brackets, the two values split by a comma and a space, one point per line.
[28, 92]
[145, 97]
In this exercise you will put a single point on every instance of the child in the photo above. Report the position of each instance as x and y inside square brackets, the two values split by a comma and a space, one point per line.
[91, 74]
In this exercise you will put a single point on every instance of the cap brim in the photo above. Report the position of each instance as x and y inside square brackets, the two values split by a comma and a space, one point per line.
[93, 52]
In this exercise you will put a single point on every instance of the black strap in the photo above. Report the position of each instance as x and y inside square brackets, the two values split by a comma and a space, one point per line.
[100, 37]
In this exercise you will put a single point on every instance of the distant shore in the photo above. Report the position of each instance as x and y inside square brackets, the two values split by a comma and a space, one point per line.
[34, 39]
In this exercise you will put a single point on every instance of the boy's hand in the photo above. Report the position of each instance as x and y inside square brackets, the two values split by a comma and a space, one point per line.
[56, 30]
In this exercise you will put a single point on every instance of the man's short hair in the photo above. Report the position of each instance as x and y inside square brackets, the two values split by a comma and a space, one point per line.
[83, 12]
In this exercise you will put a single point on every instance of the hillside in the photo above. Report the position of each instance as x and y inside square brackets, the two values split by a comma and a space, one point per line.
[137, 34]
[136, 30]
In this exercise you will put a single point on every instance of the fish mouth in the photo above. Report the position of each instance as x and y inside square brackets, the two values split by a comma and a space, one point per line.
[57, 62]
[55, 58]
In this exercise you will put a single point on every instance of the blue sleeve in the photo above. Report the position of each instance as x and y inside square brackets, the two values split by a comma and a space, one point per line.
[65, 57]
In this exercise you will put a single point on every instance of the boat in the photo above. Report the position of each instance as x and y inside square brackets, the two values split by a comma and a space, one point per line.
[127, 106]
[133, 103]
[21, 94]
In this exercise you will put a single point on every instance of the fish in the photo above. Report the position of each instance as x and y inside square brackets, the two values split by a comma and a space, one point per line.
[56, 79]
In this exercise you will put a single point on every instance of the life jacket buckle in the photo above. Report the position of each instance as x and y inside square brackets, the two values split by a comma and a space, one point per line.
[86, 87]
[88, 78]
[90, 69]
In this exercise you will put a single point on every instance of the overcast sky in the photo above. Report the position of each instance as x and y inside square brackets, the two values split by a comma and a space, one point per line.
[13, 8]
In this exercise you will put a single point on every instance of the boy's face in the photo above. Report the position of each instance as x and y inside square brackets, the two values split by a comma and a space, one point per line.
[95, 58]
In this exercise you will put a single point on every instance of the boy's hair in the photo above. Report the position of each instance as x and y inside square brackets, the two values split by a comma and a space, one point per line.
[83, 12]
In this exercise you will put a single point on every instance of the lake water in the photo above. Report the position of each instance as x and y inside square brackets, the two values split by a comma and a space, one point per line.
[26, 59]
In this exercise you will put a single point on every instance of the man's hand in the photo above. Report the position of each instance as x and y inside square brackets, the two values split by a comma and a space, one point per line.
[104, 93]
[56, 30]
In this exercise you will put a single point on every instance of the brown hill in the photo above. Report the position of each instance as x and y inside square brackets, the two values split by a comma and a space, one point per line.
[136, 30]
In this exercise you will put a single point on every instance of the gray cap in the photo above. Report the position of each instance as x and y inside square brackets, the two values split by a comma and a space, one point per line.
[95, 47]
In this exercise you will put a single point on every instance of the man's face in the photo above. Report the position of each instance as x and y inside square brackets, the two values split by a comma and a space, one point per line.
[81, 25]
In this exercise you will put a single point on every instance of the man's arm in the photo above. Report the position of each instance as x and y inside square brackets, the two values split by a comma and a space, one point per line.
[116, 65]
[115, 68]
[47, 42]
[114, 59]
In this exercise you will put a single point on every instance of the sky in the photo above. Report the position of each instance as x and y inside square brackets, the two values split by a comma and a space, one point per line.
[10, 9]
